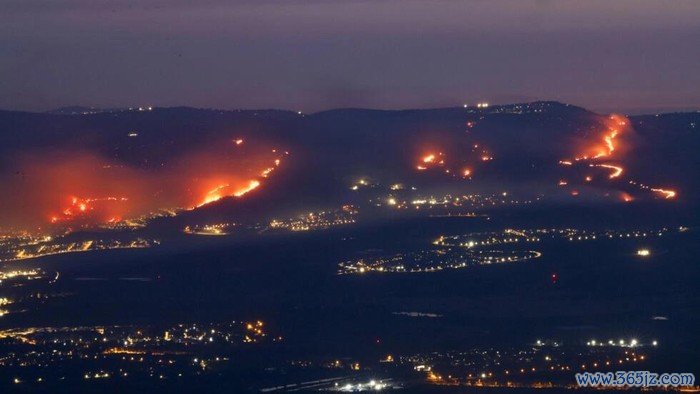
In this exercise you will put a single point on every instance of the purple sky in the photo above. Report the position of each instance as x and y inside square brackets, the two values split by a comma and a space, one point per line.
[311, 55]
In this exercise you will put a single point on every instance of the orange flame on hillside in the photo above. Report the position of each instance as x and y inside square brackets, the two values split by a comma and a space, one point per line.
[226, 190]
[607, 145]
[666, 193]
[608, 140]
[82, 189]
[85, 207]
[616, 170]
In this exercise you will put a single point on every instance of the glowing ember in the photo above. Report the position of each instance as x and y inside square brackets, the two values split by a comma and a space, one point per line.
[429, 158]
[82, 207]
[452, 166]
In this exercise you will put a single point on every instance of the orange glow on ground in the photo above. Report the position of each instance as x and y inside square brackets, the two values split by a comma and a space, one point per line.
[452, 164]
[90, 208]
[606, 143]
[666, 193]
[251, 185]
[616, 170]
[430, 160]
[605, 146]
[226, 190]
[72, 189]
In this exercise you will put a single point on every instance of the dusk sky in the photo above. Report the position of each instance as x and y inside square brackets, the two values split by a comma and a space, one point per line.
[312, 55]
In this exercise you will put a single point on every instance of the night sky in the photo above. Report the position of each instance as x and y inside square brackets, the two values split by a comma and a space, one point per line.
[632, 56]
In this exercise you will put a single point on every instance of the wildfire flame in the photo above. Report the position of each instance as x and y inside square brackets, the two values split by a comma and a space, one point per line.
[616, 170]
[71, 188]
[452, 164]
[608, 140]
[82, 207]
[225, 190]
[607, 145]
[251, 185]
[666, 193]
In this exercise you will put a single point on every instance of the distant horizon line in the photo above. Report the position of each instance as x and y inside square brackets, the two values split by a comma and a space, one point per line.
[629, 111]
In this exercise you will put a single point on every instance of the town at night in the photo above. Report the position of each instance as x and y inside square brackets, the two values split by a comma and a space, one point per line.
[340, 196]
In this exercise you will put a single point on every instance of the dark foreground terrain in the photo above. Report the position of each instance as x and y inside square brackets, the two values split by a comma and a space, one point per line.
[351, 267]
